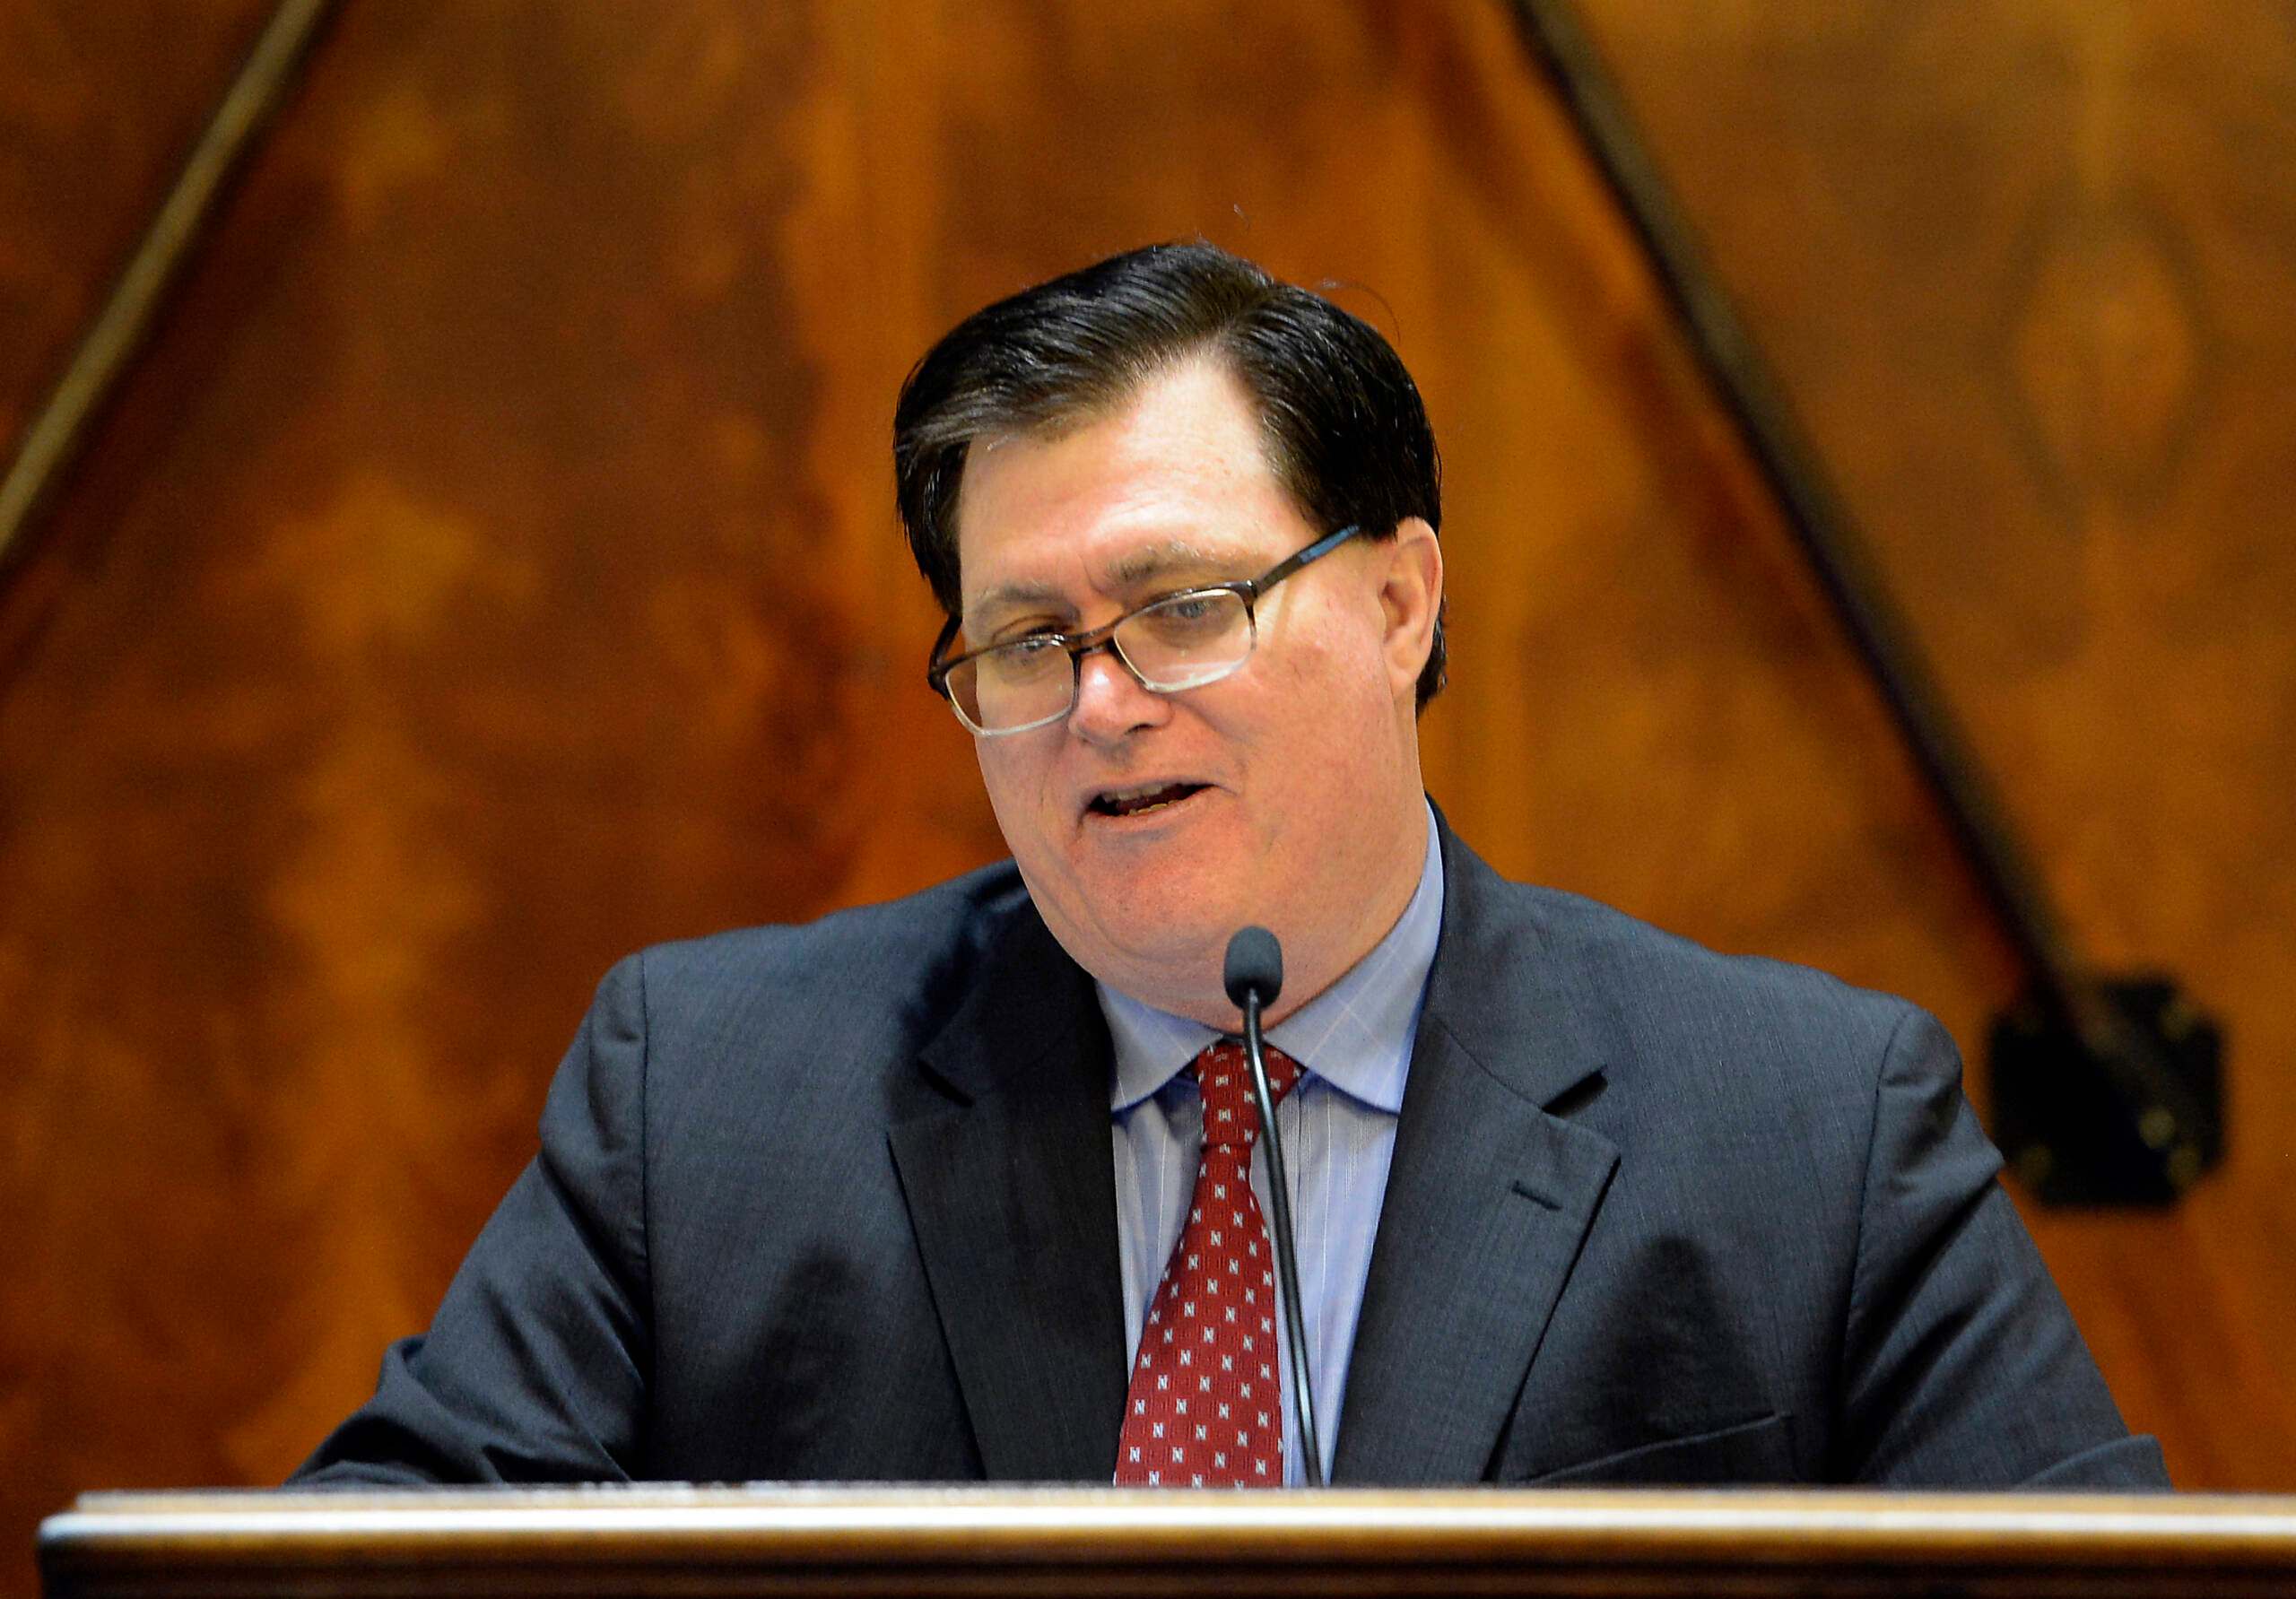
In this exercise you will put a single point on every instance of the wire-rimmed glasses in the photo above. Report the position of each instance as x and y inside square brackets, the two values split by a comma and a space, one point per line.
[1175, 641]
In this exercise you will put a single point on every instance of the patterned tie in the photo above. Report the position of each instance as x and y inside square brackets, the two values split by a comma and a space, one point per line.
[1205, 1408]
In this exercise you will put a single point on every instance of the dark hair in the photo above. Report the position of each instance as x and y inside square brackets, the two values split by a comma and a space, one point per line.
[1340, 418]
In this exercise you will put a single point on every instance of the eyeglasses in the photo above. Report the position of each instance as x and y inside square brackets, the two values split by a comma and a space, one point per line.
[1178, 641]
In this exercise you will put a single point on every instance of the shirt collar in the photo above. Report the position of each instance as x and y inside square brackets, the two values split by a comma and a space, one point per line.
[1356, 1035]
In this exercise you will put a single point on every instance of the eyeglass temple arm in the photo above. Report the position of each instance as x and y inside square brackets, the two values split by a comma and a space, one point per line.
[935, 671]
[1284, 568]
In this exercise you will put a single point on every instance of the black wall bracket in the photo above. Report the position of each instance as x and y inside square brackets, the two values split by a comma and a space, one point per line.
[2104, 1092]
[2084, 1131]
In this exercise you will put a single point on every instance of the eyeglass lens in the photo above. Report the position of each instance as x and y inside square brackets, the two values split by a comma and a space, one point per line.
[1183, 642]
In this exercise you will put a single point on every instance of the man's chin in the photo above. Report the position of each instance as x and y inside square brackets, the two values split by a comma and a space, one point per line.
[1161, 950]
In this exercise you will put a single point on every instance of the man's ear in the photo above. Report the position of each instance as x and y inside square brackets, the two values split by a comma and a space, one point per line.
[1412, 598]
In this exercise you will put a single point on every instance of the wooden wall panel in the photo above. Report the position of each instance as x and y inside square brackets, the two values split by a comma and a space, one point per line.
[2028, 269]
[493, 568]
[98, 105]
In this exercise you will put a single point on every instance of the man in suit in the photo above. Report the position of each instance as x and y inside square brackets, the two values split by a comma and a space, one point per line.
[959, 1187]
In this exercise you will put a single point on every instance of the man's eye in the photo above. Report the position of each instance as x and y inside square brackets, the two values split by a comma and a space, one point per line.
[1207, 611]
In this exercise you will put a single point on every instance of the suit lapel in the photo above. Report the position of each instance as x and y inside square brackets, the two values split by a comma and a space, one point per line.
[1489, 1199]
[1009, 1184]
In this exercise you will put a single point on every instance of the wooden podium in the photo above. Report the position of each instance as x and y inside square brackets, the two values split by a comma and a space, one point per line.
[774, 1539]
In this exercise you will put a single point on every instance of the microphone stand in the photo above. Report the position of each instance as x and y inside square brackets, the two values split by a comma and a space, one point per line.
[1279, 1189]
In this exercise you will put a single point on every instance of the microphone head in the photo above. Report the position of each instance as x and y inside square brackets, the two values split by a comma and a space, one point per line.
[1255, 964]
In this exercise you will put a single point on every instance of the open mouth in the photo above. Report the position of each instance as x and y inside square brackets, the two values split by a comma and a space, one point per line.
[1140, 801]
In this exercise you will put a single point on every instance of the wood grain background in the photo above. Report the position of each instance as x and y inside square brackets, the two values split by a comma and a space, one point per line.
[491, 569]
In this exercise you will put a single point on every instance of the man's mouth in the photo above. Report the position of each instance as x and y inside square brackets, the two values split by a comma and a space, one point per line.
[1139, 802]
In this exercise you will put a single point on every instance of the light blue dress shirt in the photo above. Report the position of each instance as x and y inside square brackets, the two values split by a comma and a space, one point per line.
[1338, 1128]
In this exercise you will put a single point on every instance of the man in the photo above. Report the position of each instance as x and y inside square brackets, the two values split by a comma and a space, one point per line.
[959, 1187]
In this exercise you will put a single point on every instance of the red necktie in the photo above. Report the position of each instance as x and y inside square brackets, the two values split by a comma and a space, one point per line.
[1207, 1408]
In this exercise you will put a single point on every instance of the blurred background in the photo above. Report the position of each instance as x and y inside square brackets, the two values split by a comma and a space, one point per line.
[490, 567]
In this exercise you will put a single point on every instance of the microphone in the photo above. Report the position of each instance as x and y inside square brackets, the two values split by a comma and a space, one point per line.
[1254, 972]
[1252, 975]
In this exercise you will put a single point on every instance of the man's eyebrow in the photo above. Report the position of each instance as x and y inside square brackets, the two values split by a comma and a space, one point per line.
[1019, 595]
[1128, 570]
[1138, 566]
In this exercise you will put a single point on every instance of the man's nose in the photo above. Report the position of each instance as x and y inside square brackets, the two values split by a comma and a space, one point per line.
[1110, 703]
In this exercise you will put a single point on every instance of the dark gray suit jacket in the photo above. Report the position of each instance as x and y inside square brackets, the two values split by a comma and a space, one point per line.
[836, 1202]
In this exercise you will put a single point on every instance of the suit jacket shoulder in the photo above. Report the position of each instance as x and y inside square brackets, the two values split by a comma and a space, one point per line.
[793, 1183]
[1695, 1217]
